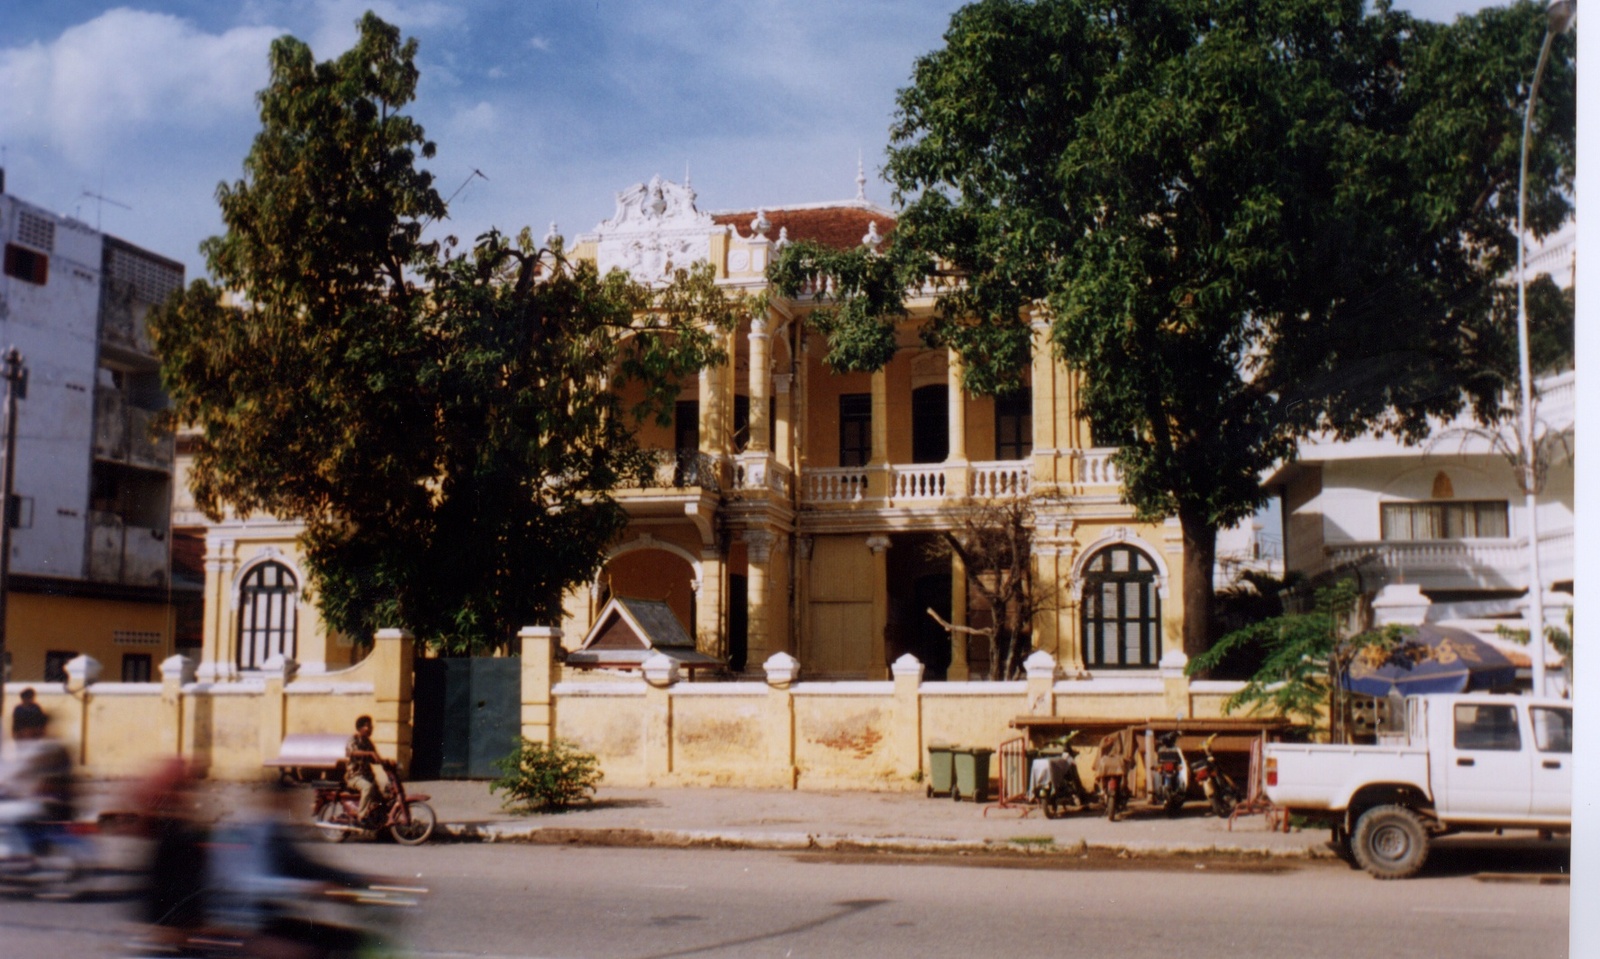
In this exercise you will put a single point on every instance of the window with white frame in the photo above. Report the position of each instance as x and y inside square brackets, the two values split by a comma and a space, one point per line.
[1121, 610]
[268, 597]
[1470, 519]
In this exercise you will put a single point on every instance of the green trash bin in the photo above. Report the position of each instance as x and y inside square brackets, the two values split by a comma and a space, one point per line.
[940, 769]
[972, 774]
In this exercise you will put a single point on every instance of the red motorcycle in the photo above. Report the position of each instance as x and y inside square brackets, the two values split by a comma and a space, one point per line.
[408, 819]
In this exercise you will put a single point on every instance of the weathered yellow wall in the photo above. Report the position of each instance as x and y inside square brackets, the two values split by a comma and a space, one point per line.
[844, 740]
[609, 726]
[118, 730]
[719, 739]
[976, 719]
[37, 623]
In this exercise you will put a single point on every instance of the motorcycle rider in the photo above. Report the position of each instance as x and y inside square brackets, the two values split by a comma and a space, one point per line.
[360, 755]
[260, 871]
[36, 788]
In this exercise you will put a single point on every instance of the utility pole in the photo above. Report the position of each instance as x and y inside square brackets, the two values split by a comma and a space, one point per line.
[16, 377]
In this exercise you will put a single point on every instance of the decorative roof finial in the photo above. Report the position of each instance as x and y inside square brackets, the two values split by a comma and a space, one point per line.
[872, 239]
[861, 179]
[553, 238]
[783, 238]
[760, 225]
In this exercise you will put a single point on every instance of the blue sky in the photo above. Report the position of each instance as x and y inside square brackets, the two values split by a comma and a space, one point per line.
[559, 104]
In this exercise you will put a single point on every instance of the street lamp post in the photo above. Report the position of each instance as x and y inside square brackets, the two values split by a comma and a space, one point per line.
[1559, 14]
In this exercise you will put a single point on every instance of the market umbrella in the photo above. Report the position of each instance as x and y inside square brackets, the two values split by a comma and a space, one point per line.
[1430, 659]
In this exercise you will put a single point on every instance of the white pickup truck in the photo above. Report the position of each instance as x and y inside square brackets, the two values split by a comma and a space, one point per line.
[1465, 761]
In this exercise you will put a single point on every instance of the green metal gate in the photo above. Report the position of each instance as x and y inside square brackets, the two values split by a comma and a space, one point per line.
[467, 713]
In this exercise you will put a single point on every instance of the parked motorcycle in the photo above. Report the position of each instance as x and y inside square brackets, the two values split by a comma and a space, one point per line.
[1221, 791]
[408, 819]
[1169, 780]
[1111, 771]
[1060, 790]
[50, 860]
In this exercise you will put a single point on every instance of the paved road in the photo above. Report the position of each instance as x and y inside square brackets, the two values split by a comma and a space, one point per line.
[502, 901]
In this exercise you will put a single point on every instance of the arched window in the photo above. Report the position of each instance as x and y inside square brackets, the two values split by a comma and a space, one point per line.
[1121, 610]
[268, 598]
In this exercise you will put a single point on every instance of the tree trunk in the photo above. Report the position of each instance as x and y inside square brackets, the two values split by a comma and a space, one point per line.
[1199, 561]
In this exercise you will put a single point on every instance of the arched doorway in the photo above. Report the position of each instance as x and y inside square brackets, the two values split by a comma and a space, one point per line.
[269, 596]
[1121, 610]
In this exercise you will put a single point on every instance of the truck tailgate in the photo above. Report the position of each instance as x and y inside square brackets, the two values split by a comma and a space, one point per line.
[1325, 777]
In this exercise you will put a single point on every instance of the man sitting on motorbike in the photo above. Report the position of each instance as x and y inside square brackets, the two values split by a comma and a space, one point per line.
[265, 885]
[36, 788]
[359, 755]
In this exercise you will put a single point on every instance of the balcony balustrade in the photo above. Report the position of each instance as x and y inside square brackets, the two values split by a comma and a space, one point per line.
[1465, 563]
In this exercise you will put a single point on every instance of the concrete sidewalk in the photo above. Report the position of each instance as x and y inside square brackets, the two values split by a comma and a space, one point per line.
[829, 820]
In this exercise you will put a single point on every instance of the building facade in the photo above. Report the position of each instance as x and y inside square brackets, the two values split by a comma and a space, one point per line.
[91, 551]
[799, 510]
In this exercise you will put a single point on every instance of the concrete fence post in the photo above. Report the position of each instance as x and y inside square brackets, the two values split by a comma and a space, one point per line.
[392, 652]
[82, 672]
[778, 717]
[278, 672]
[1175, 684]
[538, 645]
[176, 672]
[906, 749]
[1041, 671]
[660, 675]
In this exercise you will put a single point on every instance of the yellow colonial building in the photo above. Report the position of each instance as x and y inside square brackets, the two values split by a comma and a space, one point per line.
[794, 509]
[799, 510]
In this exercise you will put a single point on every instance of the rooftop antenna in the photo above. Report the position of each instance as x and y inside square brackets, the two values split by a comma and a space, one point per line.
[475, 172]
[99, 208]
[861, 178]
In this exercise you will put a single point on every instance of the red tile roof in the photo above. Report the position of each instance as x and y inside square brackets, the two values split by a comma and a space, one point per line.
[840, 227]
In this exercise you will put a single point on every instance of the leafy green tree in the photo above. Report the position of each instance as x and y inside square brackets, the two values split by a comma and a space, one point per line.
[1303, 658]
[1245, 221]
[446, 423]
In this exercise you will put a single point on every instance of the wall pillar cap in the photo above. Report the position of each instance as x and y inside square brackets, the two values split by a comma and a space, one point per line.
[81, 671]
[781, 669]
[392, 632]
[1040, 665]
[279, 666]
[1173, 663]
[178, 667]
[659, 669]
[907, 666]
[540, 632]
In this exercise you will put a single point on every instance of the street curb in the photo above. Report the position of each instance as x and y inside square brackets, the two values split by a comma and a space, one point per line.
[826, 842]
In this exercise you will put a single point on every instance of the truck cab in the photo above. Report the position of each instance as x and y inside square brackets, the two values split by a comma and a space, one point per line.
[1463, 761]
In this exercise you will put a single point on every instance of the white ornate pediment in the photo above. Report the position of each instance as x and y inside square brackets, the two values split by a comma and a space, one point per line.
[656, 229]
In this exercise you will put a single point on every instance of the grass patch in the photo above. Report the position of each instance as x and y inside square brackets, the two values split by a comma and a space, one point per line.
[1033, 840]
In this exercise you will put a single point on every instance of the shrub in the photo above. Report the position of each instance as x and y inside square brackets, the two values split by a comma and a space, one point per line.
[540, 778]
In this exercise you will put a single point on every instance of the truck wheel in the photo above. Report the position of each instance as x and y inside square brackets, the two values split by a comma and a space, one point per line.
[1390, 842]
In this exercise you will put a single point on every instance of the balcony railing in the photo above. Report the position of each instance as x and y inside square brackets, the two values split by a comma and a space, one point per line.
[682, 469]
[1460, 563]
[846, 485]
[1096, 468]
[1002, 479]
[916, 482]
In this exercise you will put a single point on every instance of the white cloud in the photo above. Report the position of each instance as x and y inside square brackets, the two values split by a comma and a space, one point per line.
[474, 121]
[542, 44]
[335, 31]
[122, 73]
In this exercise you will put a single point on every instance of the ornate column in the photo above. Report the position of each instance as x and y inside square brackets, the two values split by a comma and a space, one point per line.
[958, 410]
[760, 423]
[878, 660]
[218, 649]
[708, 612]
[758, 547]
[878, 464]
[959, 670]
[1046, 410]
[955, 474]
